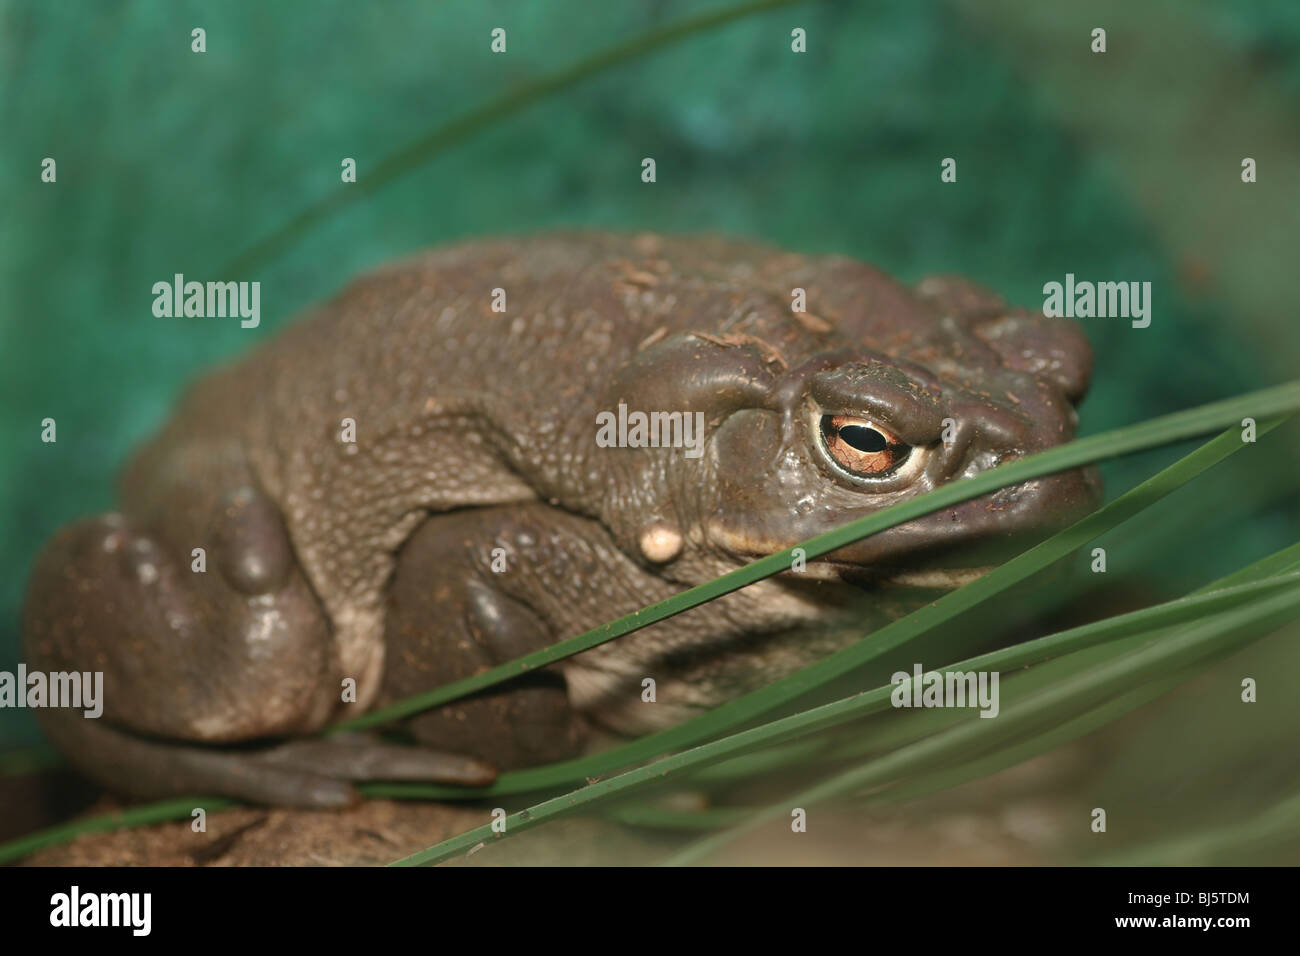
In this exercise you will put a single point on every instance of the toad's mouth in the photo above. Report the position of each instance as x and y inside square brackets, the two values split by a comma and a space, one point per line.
[931, 579]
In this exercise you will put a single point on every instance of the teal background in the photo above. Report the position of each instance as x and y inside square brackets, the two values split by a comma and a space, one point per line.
[1117, 166]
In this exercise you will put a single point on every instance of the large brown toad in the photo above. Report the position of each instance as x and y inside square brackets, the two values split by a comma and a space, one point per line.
[487, 506]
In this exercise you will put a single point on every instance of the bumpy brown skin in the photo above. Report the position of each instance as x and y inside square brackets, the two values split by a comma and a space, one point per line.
[478, 429]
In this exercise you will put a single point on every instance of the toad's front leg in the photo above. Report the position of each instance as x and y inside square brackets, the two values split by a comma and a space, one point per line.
[463, 599]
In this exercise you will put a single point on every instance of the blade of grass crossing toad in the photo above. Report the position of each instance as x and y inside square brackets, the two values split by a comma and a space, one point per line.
[1273, 571]
[1132, 628]
[1141, 623]
[1066, 699]
[1262, 613]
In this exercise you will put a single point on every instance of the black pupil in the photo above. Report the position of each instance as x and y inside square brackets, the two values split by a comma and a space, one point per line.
[863, 438]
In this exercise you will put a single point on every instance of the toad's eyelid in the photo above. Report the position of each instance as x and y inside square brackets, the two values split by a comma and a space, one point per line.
[913, 412]
[882, 414]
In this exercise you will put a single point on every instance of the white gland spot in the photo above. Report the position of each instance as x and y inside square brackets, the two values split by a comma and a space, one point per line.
[660, 543]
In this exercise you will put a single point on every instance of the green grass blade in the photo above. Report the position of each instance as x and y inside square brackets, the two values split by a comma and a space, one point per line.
[934, 781]
[1273, 566]
[1141, 624]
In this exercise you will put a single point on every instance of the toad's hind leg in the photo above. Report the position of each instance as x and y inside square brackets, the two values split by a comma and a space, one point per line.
[202, 663]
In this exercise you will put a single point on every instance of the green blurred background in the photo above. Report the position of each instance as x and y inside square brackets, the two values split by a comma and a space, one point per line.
[1122, 166]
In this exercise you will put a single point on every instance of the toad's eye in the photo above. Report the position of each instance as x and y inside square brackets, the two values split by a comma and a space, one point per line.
[862, 448]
